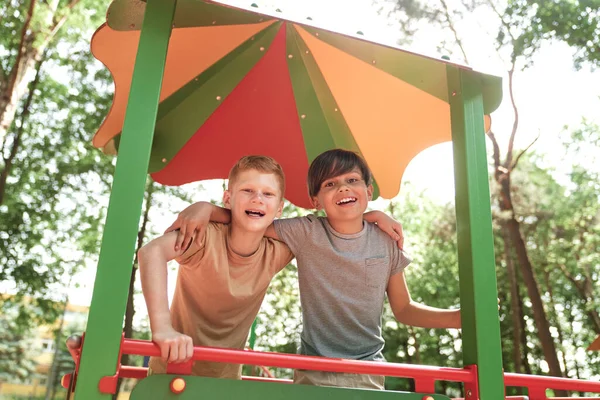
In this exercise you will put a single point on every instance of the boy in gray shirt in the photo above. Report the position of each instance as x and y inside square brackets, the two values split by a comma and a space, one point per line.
[346, 266]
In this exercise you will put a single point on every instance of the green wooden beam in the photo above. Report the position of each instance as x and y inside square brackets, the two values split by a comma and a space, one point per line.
[105, 322]
[477, 271]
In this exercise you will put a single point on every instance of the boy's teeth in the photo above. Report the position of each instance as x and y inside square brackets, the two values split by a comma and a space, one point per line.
[346, 200]
[257, 213]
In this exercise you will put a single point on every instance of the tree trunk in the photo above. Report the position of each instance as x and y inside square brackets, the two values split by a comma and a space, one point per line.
[50, 384]
[130, 310]
[539, 314]
[16, 142]
[15, 86]
[561, 339]
[514, 301]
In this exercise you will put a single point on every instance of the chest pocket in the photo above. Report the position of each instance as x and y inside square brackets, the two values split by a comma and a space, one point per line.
[376, 271]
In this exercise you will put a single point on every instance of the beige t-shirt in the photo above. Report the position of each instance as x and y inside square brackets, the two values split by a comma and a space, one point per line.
[219, 293]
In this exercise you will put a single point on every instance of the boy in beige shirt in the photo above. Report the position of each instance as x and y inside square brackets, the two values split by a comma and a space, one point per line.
[223, 275]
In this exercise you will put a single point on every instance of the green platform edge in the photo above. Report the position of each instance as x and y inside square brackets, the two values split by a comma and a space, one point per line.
[156, 387]
[105, 322]
[477, 266]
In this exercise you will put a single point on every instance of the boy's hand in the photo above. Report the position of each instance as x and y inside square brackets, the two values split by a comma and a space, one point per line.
[175, 347]
[387, 224]
[191, 223]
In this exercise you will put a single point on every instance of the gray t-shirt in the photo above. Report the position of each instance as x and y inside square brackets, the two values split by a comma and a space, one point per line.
[343, 281]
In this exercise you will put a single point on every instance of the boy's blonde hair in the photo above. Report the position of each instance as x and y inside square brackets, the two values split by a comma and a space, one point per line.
[263, 164]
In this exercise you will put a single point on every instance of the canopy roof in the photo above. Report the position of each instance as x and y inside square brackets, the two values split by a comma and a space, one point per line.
[595, 346]
[238, 82]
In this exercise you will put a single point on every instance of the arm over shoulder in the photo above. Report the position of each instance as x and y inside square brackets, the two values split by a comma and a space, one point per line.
[282, 255]
[295, 231]
[194, 254]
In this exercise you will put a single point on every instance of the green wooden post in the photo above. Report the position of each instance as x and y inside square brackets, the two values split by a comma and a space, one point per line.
[105, 322]
[253, 334]
[478, 291]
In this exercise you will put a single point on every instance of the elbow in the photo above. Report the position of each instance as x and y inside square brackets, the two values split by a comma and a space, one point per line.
[401, 313]
[143, 254]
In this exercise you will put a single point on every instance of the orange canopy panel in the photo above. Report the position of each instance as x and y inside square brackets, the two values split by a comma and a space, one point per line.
[595, 346]
[240, 82]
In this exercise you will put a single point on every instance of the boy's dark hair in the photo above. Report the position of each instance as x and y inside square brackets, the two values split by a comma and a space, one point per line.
[333, 163]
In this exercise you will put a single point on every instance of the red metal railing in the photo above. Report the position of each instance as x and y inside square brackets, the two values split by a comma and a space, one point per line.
[423, 376]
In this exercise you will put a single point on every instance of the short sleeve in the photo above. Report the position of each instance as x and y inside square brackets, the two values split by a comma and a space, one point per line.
[283, 255]
[295, 231]
[400, 260]
[194, 254]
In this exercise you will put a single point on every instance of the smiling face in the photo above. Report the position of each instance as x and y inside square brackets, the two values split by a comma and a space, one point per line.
[255, 200]
[344, 197]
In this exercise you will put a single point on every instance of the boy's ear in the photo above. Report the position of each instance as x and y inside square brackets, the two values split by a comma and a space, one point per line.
[227, 199]
[370, 192]
[279, 209]
[316, 204]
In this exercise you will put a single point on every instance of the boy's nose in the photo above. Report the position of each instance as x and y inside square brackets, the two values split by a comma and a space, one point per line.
[258, 197]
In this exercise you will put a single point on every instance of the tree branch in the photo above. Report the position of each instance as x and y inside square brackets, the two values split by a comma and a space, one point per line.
[496, 154]
[19, 133]
[15, 69]
[514, 164]
[513, 134]
[500, 15]
[451, 26]
[58, 23]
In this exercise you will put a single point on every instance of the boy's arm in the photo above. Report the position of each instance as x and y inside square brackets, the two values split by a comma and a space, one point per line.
[387, 224]
[192, 222]
[409, 312]
[153, 258]
[272, 233]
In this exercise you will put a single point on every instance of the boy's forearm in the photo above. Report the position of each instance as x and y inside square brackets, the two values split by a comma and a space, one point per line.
[153, 275]
[416, 314]
[220, 214]
[373, 216]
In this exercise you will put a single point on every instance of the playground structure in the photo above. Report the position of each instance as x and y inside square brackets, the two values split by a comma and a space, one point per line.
[192, 76]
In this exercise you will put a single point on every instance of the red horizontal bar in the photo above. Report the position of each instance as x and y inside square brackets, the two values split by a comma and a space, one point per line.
[143, 347]
[127, 371]
[261, 379]
[550, 382]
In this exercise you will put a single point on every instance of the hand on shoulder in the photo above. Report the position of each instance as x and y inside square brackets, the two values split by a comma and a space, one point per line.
[388, 225]
[191, 225]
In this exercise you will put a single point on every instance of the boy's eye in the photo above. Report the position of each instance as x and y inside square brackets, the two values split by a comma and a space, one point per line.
[328, 184]
[269, 194]
[247, 190]
[352, 180]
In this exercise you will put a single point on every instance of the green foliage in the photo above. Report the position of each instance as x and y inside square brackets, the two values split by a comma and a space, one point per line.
[577, 23]
[16, 358]
[57, 183]
[49, 220]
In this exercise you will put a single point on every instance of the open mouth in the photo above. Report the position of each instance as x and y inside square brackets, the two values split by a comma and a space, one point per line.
[346, 200]
[255, 213]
